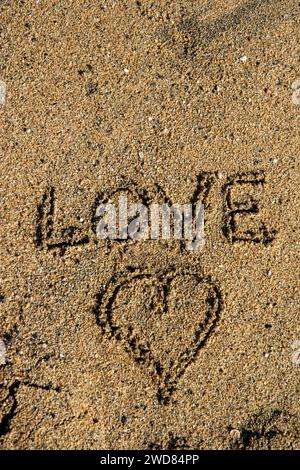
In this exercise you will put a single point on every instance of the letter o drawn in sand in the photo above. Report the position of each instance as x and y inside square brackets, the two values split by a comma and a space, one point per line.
[163, 321]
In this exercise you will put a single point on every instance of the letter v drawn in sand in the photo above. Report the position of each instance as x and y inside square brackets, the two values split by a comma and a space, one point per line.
[162, 320]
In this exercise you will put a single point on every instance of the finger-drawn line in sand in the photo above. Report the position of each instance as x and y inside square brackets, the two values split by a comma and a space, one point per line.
[264, 430]
[174, 315]
[138, 195]
[45, 237]
[205, 182]
[12, 395]
[248, 207]
[173, 442]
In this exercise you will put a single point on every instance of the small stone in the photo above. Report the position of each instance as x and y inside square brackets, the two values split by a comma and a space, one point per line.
[244, 58]
[235, 434]
[295, 344]
[126, 70]
[296, 357]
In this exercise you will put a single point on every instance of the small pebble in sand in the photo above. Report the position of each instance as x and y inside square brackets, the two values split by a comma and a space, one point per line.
[235, 434]
[217, 88]
[2, 352]
[296, 354]
[295, 344]
[296, 94]
[296, 358]
[126, 71]
[244, 58]
[2, 93]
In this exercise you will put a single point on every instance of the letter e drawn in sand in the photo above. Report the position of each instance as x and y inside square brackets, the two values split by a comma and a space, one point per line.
[242, 221]
[162, 320]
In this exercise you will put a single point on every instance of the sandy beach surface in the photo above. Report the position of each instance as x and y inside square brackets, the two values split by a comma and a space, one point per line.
[144, 344]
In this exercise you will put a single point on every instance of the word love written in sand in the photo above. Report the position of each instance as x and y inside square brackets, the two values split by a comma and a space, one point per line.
[241, 222]
[162, 320]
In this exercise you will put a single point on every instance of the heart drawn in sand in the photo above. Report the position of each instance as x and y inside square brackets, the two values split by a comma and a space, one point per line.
[163, 321]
